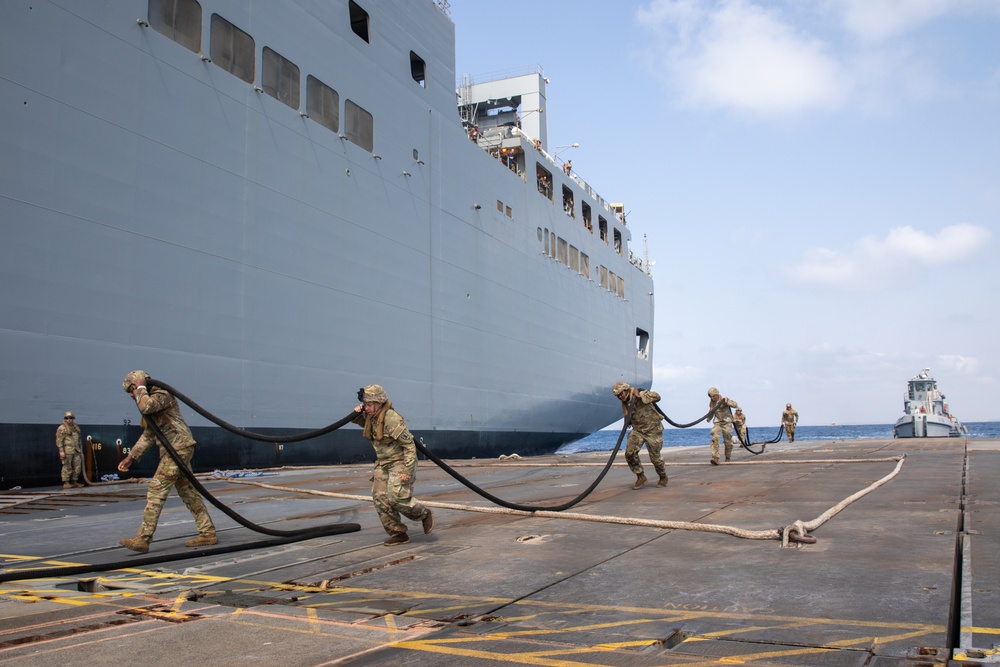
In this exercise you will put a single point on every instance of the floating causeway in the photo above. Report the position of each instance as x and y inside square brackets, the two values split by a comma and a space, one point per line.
[909, 574]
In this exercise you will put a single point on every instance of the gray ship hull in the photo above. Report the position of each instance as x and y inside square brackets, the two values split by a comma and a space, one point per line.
[159, 212]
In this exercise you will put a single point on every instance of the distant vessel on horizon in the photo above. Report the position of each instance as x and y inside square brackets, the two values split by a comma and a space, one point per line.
[926, 413]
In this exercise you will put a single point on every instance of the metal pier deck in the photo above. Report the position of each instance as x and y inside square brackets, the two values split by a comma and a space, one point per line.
[907, 575]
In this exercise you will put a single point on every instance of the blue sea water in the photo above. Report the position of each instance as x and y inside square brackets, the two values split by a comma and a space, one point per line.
[674, 437]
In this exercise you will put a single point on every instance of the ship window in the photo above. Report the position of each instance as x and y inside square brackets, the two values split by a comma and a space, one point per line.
[602, 226]
[642, 343]
[280, 79]
[563, 255]
[418, 70]
[500, 206]
[322, 103]
[585, 264]
[232, 49]
[588, 220]
[359, 126]
[612, 282]
[359, 21]
[618, 242]
[604, 277]
[180, 20]
[539, 231]
[546, 241]
[544, 178]
[510, 212]
[568, 207]
[574, 259]
[621, 287]
[552, 245]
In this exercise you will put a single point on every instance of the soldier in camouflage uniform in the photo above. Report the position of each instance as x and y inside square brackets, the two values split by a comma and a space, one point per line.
[740, 422]
[789, 418]
[395, 465]
[646, 428]
[722, 423]
[70, 451]
[159, 406]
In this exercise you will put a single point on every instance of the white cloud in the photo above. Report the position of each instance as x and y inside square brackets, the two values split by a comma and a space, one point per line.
[874, 261]
[734, 54]
[960, 364]
[779, 58]
[879, 20]
[671, 374]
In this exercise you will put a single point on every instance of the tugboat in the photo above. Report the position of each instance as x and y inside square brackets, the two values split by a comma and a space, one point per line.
[926, 413]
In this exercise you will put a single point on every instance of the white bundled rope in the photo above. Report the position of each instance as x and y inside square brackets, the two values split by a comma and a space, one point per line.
[784, 534]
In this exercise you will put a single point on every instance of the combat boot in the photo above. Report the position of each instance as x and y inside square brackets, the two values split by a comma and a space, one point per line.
[714, 462]
[140, 544]
[663, 481]
[202, 541]
[78, 485]
[428, 522]
[640, 479]
[398, 538]
[67, 485]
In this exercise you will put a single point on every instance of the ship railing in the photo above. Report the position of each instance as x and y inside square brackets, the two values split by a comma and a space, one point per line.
[499, 75]
[558, 164]
[444, 6]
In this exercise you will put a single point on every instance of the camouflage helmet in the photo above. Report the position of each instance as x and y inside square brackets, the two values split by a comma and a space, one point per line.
[620, 387]
[133, 380]
[69, 414]
[712, 391]
[374, 393]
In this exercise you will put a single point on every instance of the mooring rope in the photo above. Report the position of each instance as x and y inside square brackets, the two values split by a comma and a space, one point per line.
[796, 531]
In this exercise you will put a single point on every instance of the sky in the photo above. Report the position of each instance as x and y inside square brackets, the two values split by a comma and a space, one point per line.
[818, 182]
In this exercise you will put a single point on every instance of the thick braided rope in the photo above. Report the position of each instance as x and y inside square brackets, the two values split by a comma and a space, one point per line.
[799, 527]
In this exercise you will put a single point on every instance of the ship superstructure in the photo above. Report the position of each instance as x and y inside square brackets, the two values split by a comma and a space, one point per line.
[926, 413]
[269, 203]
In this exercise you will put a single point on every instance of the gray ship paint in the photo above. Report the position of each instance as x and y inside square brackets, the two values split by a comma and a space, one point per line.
[159, 212]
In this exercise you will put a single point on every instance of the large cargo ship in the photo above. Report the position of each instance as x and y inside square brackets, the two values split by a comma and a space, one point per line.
[269, 203]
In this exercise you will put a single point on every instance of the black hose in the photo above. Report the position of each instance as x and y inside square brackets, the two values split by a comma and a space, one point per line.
[533, 508]
[746, 445]
[419, 444]
[689, 425]
[342, 528]
[308, 435]
[285, 536]
[137, 561]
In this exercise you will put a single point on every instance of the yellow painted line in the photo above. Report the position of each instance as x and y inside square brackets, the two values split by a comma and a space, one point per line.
[314, 623]
[521, 658]
[611, 646]
[985, 631]
[37, 598]
[390, 623]
[178, 601]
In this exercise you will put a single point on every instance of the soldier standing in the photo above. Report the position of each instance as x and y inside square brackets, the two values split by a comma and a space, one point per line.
[395, 465]
[740, 422]
[646, 428]
[722, 423]
[160, 407]
[70, 451]
[789, 418]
